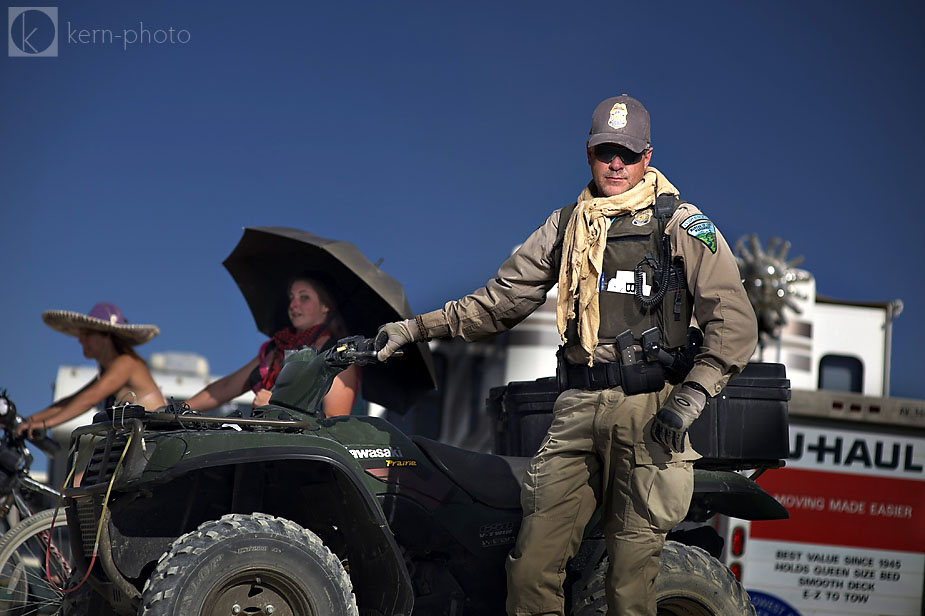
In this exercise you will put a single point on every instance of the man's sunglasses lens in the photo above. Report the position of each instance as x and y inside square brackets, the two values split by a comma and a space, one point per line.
[606, 154]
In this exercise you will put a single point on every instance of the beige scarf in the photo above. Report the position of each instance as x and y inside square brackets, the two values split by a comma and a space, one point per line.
[583, 252]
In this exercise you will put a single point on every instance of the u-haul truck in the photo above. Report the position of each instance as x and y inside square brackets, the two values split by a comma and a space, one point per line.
[855, 490]
[854, 483]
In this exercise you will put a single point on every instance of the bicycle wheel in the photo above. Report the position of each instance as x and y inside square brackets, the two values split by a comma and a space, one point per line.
[25, 587]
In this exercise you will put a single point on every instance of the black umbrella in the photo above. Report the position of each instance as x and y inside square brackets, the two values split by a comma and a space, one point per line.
[266, 259]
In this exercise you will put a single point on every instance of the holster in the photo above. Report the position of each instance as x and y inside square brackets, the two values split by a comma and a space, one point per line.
[684, 357]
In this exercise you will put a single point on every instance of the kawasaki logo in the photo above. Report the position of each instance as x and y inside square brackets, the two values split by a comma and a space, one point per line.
[382, 452]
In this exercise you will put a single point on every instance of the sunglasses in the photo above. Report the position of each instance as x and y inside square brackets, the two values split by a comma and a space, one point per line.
[606, 152]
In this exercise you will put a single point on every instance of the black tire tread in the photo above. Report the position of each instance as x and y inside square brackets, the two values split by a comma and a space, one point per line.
[677, 562]
[690, 560]
[185, 550]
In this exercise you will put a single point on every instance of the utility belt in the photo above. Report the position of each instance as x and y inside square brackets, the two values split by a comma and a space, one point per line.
[643, 367]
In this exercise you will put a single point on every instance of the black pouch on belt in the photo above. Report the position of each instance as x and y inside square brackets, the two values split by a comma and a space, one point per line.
[642, 377]
[637, 373]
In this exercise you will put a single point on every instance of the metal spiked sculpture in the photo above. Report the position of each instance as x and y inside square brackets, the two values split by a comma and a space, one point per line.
[769, 280]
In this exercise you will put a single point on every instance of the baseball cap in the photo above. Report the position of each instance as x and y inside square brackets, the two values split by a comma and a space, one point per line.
[622, 120]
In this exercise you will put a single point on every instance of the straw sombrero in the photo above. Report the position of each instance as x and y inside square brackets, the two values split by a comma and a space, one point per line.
[104, 317]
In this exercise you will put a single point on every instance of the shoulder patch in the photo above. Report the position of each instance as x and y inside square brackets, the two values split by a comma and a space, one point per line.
[692, 219]
[703, 230]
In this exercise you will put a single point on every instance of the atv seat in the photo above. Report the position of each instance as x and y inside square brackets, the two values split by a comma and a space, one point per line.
[490, 479]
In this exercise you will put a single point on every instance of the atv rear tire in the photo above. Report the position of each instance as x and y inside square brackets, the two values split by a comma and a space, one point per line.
[690, 582]
[252, 562]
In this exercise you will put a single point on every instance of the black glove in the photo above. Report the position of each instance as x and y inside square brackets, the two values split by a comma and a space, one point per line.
[393, 336]
[671, 422]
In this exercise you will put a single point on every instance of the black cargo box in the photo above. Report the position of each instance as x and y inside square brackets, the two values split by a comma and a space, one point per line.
[521, 412]
[745, 426]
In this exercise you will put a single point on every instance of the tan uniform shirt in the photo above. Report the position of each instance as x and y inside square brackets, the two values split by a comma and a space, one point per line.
[721, 306]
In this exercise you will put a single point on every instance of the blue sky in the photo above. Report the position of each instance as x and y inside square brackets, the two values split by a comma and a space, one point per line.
[436, 136]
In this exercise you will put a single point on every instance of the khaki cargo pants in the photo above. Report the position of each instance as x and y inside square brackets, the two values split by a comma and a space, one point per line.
[598, 451]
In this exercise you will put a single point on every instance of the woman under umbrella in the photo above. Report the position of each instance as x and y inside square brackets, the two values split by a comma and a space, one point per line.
[315, 322]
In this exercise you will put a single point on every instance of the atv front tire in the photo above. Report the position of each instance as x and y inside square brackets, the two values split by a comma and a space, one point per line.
[244, 564]
[690, 582]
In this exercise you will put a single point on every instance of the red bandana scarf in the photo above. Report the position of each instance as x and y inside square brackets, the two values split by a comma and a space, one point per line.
[273, 353]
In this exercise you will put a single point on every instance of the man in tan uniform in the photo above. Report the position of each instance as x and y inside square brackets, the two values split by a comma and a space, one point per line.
[633, 263]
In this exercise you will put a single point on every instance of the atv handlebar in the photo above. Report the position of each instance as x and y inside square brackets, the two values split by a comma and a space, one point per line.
[354, 351]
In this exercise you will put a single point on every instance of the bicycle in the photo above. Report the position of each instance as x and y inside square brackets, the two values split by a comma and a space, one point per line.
[34, 550]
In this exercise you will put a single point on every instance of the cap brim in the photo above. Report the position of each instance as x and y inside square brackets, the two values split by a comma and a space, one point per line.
[636, 145]
[73, 323]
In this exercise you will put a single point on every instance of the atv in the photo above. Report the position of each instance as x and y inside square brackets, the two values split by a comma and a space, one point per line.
[286, 512]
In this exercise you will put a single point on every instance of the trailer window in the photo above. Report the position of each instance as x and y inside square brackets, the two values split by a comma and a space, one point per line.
[841, 373]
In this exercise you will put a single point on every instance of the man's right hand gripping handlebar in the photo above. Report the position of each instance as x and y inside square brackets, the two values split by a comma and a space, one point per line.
[393, 336]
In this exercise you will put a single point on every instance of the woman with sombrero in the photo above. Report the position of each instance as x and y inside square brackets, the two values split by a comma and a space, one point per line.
[108, 338]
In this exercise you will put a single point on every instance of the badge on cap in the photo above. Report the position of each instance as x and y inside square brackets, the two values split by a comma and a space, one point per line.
[617, 116]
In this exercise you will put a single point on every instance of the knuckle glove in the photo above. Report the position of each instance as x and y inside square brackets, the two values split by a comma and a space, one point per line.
[672, 421]
[393, 336]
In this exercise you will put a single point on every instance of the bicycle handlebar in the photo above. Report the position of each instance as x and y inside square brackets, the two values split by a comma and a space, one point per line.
[10, 422]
